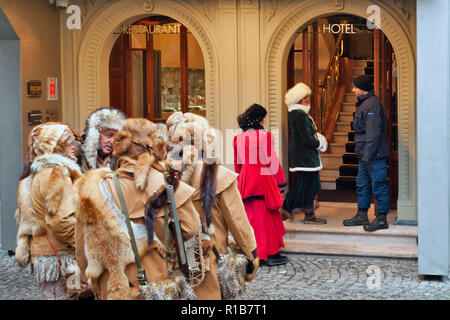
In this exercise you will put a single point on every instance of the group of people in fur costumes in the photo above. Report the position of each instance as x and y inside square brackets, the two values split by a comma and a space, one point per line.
[74, 229]
[94, 215]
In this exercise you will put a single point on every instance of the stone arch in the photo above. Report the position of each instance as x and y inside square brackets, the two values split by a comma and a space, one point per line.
[98, 40]
[398, 32]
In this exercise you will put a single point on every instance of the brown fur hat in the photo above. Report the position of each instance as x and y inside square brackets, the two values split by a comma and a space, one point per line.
[51, 137]
[139, 139]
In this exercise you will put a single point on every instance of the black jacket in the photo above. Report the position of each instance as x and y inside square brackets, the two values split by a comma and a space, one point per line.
[370, 126]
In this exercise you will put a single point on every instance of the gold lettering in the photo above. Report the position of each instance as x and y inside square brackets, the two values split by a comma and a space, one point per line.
[335, 25]
[326, 29]
[162, 29]
[172, 28]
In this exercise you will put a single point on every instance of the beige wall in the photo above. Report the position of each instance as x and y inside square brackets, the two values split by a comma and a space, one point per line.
[245, 45]
[37, 25]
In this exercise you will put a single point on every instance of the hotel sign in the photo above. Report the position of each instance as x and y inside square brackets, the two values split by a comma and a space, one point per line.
[151, 29]
[339, 28]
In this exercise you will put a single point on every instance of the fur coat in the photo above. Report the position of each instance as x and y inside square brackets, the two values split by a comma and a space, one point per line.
[304, 142]
[219, 203]
[103, 247]
[45, 217]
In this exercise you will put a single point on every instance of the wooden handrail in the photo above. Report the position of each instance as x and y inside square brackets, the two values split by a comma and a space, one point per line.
[336, 47]
[338, 99]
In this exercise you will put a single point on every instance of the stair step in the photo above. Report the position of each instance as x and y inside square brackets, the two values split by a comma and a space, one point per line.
[331, 166]
[340, 136]
[349, 170]
[350, 147]
[343, 126]
[361, 248]
[346, 183]
[330, 159]
[363, 63]
[328, 183]
[358, 71]
[350, 158]
[329, 172]
[337, 147]
[351, 136]
[350, 97]
[334, 238]
[369, 71]
[346, 116]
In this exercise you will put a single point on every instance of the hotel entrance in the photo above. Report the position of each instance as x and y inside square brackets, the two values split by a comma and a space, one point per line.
[327, 55]
[156, 67]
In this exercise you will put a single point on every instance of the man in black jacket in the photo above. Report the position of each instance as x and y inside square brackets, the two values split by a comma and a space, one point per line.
[372, 149]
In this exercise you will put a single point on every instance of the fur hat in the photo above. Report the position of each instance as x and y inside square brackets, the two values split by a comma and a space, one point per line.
[140, 139]
[32, 134]
[251, 117]
[191, 130]
[101, 119]
[297, 93]
[49, 138]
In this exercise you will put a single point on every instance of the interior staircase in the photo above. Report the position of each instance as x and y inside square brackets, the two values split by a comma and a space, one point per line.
[340, 165]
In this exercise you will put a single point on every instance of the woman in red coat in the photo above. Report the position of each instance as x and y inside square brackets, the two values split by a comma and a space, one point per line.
[260, 179]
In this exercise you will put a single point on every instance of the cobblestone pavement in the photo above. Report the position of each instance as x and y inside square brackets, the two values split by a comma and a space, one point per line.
[304, 277]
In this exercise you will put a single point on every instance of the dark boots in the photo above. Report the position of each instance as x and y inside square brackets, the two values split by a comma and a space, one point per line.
[360, 219]
[380, 222]
[286, 214]
[311, 218]
[276, 260]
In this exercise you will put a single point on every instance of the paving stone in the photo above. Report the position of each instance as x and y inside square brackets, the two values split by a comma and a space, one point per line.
[315, 277]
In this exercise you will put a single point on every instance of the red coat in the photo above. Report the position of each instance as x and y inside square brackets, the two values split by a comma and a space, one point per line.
[260, 176]
[260, 172]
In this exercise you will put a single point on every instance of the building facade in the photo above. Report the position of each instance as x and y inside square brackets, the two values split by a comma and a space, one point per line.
[245, 46]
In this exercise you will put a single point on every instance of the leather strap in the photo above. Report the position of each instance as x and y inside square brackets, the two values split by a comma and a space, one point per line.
[54, 251]
[216, 253]
[141, 272]
[166, 236]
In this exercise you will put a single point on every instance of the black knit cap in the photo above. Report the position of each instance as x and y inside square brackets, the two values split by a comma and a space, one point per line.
[252, 117]
[363, 82]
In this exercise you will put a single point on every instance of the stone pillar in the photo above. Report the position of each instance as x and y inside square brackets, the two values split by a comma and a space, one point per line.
[249, 54]
[228, 106]
[10, 130]
[433, 128]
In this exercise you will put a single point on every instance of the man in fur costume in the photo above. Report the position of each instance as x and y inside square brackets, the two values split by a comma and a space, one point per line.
[101, 126]
[218, 200]
[104, 251]
[46, 205]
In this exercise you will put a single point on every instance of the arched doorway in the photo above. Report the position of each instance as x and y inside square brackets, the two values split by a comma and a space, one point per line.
[395, 26]
[327, 54]
[11, 127]
[156, 67]
[99, 37]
